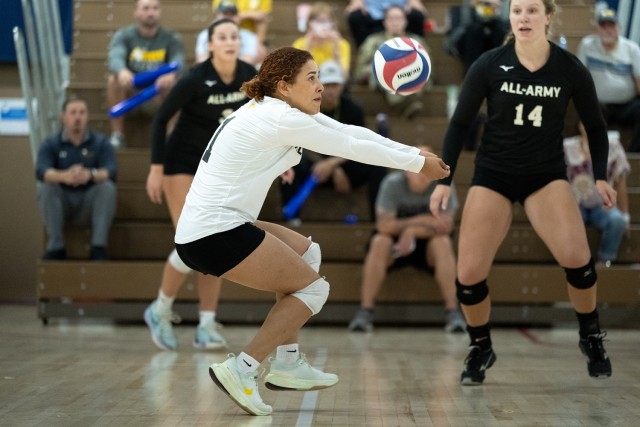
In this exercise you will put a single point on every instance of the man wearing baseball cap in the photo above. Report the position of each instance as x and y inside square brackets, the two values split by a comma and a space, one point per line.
[226, 7]
[614, 63]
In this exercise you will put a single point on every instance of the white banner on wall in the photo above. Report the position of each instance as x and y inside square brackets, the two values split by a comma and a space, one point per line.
[13, 117]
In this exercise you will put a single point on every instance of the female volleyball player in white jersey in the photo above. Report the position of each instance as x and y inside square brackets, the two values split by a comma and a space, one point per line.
[218, 232]
[527, 83]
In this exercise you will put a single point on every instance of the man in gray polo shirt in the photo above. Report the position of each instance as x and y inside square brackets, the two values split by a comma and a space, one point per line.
[142, 46]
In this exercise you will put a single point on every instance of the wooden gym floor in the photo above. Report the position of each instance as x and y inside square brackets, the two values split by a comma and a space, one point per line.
[96, 373]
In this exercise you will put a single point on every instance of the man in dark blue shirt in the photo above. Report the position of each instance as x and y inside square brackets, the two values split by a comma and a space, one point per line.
[76, 169]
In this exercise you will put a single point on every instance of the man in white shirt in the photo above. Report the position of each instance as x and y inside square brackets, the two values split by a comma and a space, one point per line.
[614, 63]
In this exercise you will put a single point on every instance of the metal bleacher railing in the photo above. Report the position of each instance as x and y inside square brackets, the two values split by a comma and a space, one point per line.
[43, 67]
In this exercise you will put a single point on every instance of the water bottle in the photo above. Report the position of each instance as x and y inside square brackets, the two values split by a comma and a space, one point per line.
[452, 99]
[291, 209]
[562, 41]
[382, 124]
[351, 219]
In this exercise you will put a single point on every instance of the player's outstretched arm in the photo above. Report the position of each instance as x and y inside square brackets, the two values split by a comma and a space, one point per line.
[425, 153]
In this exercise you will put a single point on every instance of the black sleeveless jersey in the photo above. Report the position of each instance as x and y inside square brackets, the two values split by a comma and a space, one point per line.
[525, 113]
[204, 101]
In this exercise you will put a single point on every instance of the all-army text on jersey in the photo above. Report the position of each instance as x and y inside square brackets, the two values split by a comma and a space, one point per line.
[225, 98]
[531, 90]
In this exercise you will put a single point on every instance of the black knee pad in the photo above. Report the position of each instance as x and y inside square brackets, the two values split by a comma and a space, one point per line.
[583, 277]
[472, 295]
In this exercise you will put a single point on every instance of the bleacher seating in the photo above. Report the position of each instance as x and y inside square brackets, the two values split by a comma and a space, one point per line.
[141, 238]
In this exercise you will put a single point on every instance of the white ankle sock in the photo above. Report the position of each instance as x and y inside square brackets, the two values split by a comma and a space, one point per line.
[164, 302]
[207, 318]
[246, 363]
[288, 353]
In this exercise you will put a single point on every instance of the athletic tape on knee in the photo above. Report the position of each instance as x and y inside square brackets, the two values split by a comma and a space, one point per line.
[472, 295]
[177, 263]
[583, 277]
[313, 256]
[315, 295]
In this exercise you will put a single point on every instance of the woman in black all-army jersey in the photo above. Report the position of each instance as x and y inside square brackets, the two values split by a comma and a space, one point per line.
[205, 97]
[527, 84]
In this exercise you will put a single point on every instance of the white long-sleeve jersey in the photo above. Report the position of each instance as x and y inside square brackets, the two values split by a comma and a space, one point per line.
[255, 145]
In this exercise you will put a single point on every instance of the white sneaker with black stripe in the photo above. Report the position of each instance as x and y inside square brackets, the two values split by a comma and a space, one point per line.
[241, 388]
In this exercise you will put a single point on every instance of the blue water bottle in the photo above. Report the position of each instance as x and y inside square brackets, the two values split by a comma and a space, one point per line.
[291, 209]
[562, 41]
[382, 125]
[351, 219]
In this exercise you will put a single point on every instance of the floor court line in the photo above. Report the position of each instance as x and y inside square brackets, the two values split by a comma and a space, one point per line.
[310, 399]
[534, 339]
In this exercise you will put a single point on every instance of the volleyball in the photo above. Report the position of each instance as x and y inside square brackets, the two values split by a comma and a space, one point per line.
[401, 65]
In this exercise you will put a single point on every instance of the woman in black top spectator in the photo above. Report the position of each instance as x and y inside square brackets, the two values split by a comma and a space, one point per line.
[204, 97]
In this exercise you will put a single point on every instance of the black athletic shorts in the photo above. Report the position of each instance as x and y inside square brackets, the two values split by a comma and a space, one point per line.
[183, 165]
[516, 188]
[417, 258]
[218, 253]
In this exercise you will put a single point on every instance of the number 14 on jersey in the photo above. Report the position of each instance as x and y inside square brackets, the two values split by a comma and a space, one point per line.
[534, 116]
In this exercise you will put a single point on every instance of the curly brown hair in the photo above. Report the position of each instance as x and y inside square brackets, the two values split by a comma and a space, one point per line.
[282, 64]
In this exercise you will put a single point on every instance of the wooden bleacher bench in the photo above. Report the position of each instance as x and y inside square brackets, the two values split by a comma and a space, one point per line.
[152, 240]
[526, 285]
[121, 290]
[510, 283]
[141, 238]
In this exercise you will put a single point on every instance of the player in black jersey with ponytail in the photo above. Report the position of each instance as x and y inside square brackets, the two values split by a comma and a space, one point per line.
[527, 83]
[205, 97]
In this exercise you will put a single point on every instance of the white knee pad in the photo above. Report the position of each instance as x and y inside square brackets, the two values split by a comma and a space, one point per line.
[315, 295]
[177, 263]
[313, 256]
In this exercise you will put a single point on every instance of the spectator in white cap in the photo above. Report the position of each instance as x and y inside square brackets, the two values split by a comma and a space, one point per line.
[252, 50]
[614, 63]
[342, 174]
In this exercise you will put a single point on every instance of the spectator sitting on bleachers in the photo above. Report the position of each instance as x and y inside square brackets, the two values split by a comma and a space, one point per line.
[323, 39]
[475, 29]
[614, 63]
[342, 174]
[395, 25]
[252, 51]
[407, 234]
[142, 46]
[365, 17]
[254, 15]
[612, 222]
[476, 26]
[76, 169]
